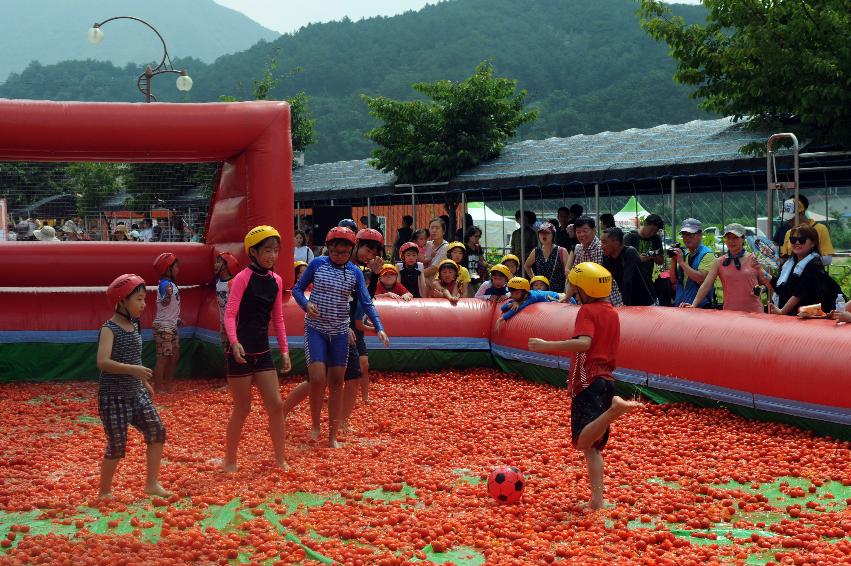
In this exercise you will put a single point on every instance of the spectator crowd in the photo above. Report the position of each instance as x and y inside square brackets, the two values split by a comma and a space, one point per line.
[431, 262]
[165, 229]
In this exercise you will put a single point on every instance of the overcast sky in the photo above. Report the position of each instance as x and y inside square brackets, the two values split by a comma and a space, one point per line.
[287, 16]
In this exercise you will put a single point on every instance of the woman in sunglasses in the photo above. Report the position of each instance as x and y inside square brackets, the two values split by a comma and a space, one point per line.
[740, 274]
[801, 279]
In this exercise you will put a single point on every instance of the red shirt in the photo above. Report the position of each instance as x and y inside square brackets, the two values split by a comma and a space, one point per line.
[600, 322]
[398, 288]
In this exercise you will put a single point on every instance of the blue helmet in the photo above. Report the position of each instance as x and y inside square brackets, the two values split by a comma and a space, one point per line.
[348, 223]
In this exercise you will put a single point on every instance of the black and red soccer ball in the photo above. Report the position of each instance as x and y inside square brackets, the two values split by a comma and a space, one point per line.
[506, 484]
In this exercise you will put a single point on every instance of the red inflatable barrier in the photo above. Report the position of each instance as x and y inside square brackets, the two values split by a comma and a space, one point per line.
[252, 139]
[775, 356]
[54, 264]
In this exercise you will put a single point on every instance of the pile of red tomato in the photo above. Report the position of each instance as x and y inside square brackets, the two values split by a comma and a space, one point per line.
[685, 482]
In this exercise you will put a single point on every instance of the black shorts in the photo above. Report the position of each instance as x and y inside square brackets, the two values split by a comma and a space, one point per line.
[254, 363]
[360, 343]
[590, 404]
[353, 365]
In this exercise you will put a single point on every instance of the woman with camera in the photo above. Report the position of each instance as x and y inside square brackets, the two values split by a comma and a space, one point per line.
[740, 274]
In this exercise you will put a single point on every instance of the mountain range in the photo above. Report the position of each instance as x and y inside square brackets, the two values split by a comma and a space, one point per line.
[587, 65]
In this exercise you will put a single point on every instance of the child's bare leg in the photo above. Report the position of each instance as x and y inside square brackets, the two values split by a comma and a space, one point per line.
[335, 403]
[171, 369]
[350, 393]
[594, 460]
[364, 385]
[316, 373]
[270, 392]
[296, 396]
[107, 472]
[159, 372]
[153, 456]
[240, 390]
[595, 430]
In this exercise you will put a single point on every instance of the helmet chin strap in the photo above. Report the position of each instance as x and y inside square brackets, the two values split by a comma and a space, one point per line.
[125, 314]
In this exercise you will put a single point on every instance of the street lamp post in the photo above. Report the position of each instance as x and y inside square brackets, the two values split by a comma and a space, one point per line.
[143, 83]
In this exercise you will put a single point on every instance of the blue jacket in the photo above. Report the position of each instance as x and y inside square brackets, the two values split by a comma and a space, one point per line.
[533, 297]
[686, 288]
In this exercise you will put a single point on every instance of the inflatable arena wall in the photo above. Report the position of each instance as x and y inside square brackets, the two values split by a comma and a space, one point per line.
[759, 365]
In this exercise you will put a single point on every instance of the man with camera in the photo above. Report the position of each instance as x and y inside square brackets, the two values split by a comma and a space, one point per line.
[690, 265]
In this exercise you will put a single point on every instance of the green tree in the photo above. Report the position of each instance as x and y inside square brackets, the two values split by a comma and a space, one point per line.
[463, 124]
[93, 183]
[780, 64]
[302, 125]
[22, 183]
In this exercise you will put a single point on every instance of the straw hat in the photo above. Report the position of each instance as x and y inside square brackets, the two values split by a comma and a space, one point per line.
[46, 234]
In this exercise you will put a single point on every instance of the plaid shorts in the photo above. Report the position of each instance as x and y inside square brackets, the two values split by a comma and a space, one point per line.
[117, 413]
[167, 341]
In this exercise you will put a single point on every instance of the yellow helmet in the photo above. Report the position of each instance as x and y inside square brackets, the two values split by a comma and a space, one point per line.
[299, 264]
[592, 278]
[518, 283]
[448, 263]
[258, 234]
[510, 257]
[540, 278]
[388, 267]
[499, 268]
[453, 245]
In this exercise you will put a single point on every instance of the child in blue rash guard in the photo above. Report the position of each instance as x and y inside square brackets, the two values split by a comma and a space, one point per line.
[521, 297]
[326, 324]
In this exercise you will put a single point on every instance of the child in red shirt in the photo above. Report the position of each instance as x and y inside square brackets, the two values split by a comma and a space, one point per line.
[595, 342]
[388, 284]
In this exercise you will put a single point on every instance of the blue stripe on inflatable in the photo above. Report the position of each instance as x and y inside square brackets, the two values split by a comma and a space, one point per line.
[73, 336]
[212, 336]
[801, 409]
[518, 355]
[430, 343]
[698, 389]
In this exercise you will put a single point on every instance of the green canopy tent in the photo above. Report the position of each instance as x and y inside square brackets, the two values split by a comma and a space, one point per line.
[631, 215]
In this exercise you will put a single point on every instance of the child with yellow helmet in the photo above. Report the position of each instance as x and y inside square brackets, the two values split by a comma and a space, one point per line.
[522, 295]
[255, 299]
[299, 268]
[594, 345]
[539, 283]
[457, 251]
[496, 288]
[512, 262]
[389, 285]
[445, 286]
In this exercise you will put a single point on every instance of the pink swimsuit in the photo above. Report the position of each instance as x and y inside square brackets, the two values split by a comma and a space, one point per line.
[739, 284]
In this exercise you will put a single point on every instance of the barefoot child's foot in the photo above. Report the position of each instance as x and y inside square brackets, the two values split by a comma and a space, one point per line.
[282, 465]
[158, 490]
[315, 434]
[621, 406]
[229, 467]
[105, 496]
[335, 444]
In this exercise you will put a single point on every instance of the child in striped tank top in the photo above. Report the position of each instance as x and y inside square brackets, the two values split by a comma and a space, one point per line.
[125, 391]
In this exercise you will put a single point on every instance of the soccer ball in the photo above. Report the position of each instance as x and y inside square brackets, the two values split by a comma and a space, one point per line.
[506, 484]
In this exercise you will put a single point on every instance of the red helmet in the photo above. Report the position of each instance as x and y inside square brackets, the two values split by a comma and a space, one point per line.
[163, 262]
[371, 236]
[230, 261]
[123, 287]
[340, 233]
[408, 246]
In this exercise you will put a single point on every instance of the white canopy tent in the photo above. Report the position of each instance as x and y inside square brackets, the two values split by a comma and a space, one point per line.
[496, 229]
[631, 215]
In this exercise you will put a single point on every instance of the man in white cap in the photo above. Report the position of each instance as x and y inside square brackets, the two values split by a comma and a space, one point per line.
[789, 214]
[690, 265]
[46, 234]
